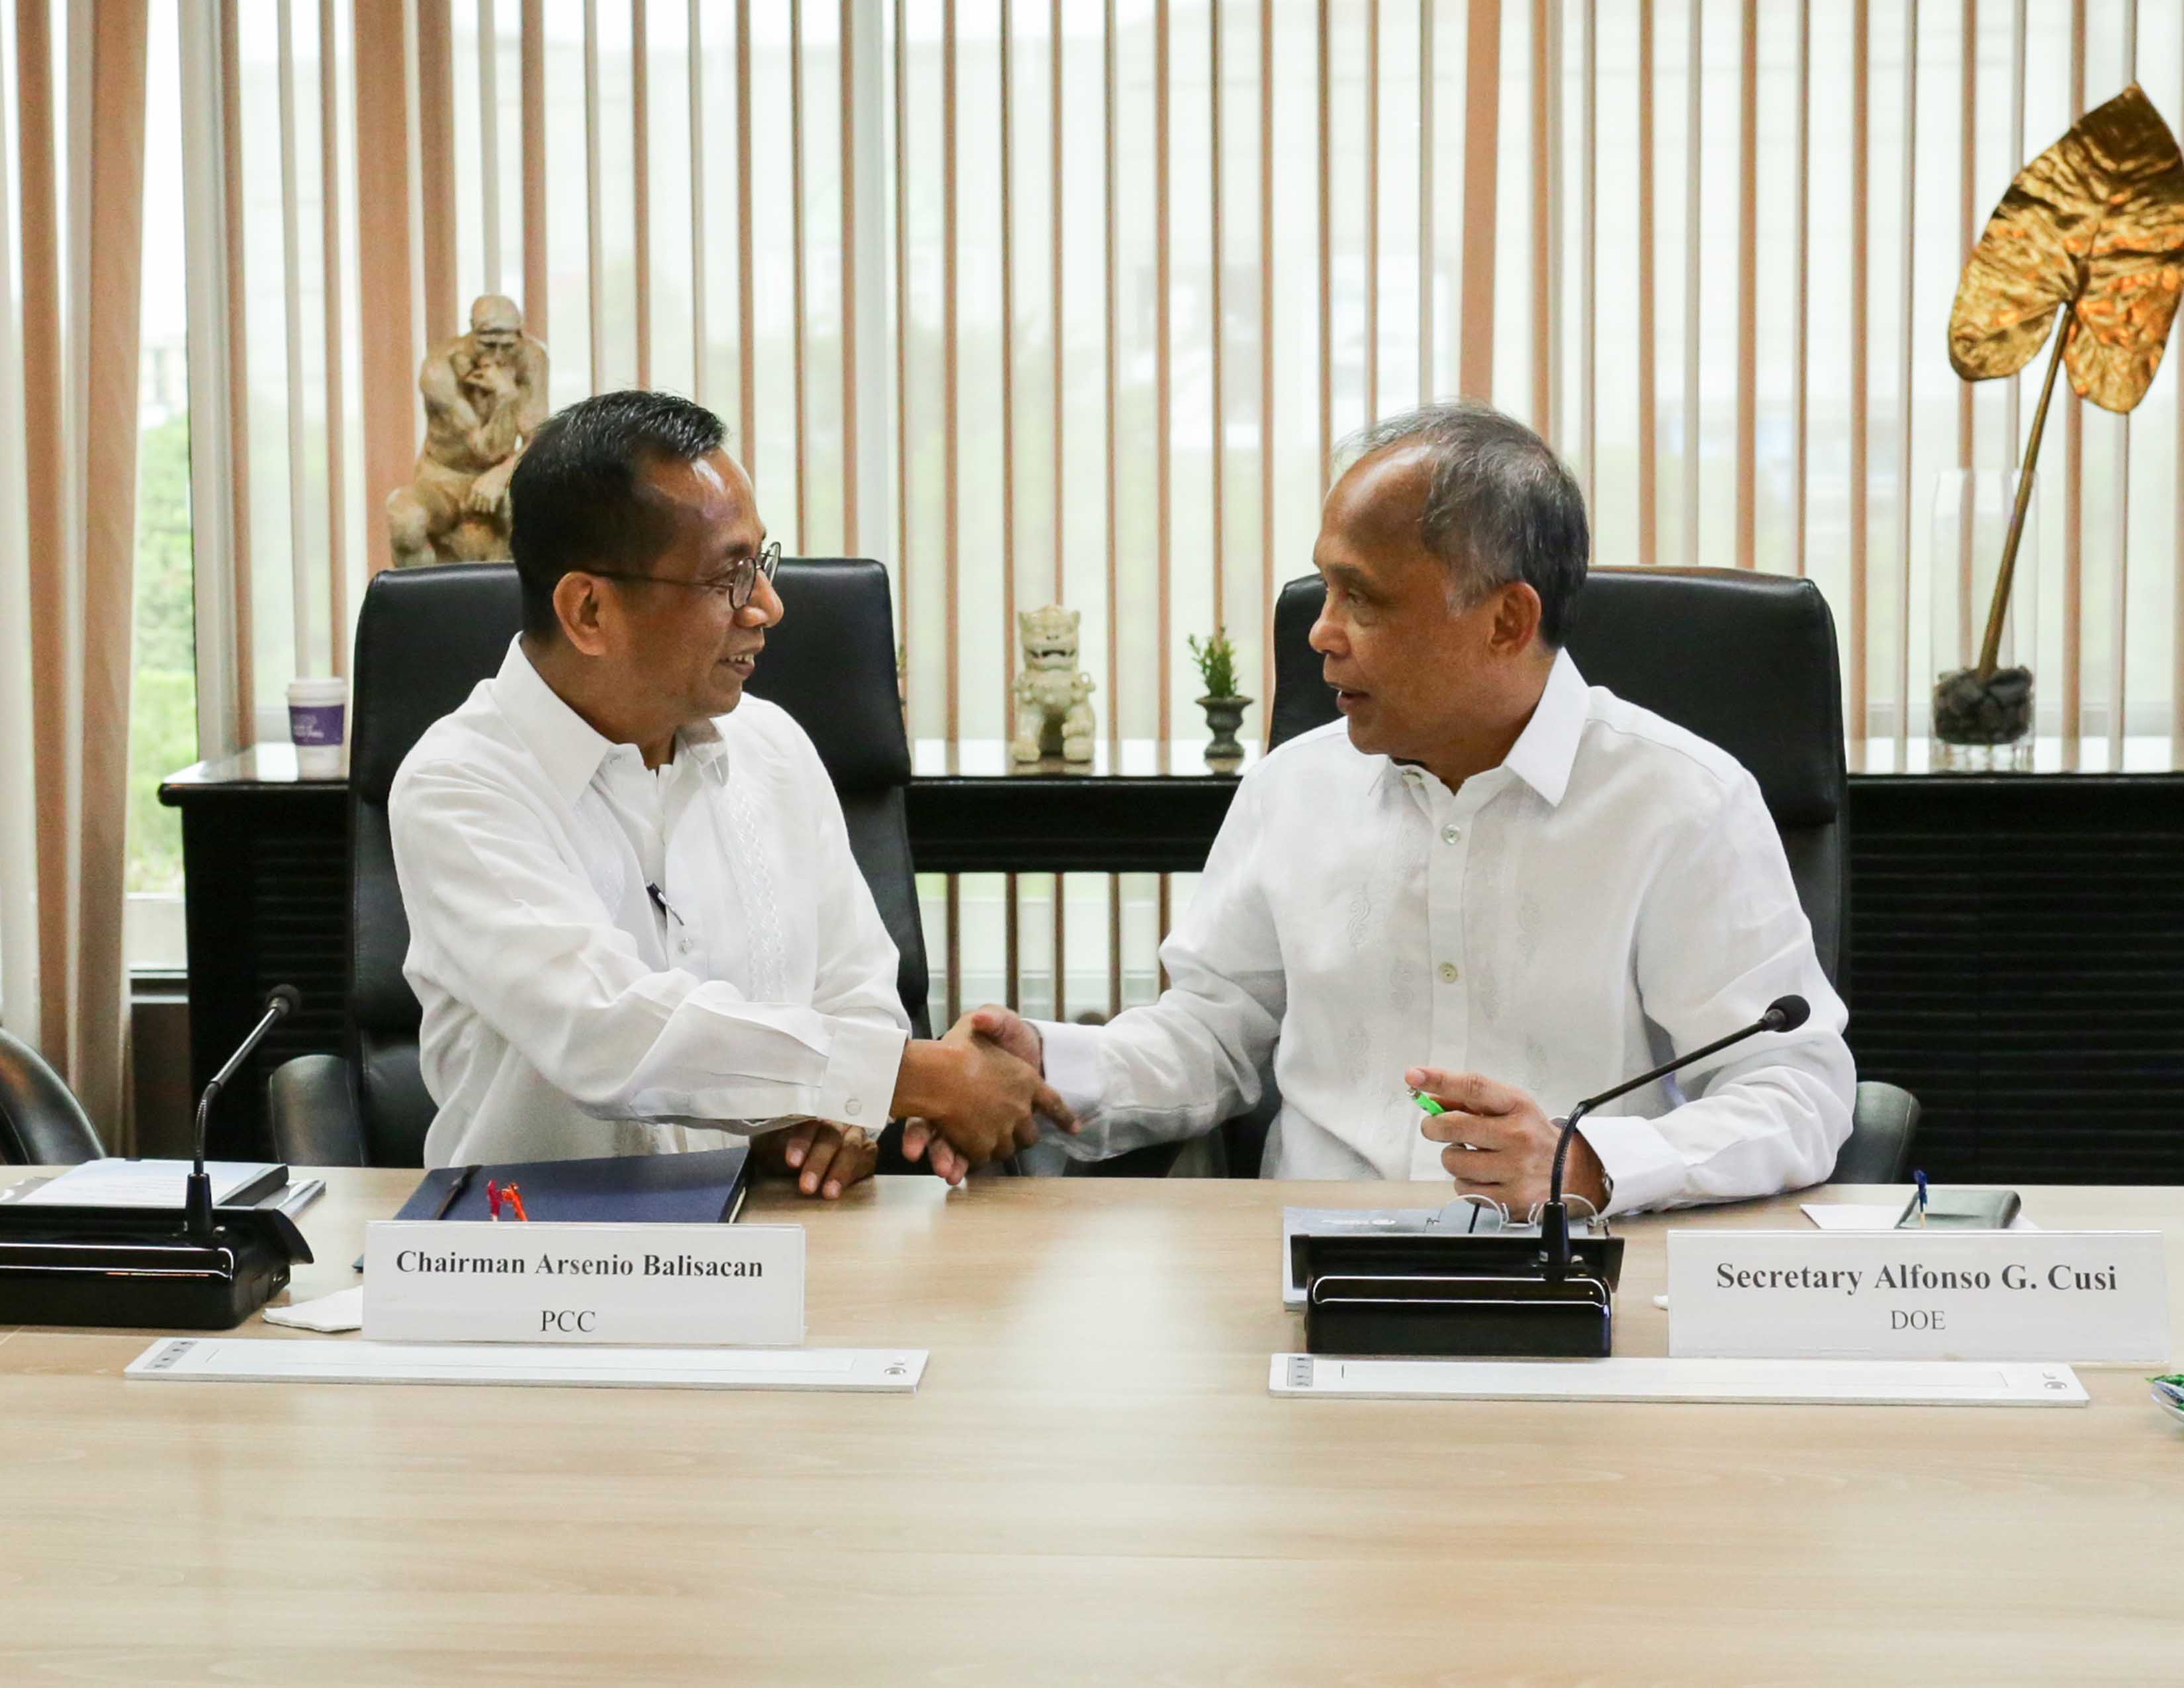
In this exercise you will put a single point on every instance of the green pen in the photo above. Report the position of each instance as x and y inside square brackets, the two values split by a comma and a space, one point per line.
[1425, 1101]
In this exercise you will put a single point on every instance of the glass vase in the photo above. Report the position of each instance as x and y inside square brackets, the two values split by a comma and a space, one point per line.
[1982, 701]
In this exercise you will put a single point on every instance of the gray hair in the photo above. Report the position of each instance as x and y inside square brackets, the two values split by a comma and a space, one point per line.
[1500, 506]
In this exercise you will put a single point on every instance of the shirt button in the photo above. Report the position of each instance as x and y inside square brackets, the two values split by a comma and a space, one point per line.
[852, 1107]
[1451, 834]
[1448, 972]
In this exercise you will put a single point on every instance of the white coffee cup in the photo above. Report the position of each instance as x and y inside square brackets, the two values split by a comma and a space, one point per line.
[317, 719]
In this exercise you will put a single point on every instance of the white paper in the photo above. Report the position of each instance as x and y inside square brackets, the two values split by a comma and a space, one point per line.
[1863, 1216]
[1837, 1383]
[343, 1310]
[242, 1359]
[141, 1183]
[1361, 1222]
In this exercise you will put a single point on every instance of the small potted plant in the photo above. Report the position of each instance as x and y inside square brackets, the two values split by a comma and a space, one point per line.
[1223, 705]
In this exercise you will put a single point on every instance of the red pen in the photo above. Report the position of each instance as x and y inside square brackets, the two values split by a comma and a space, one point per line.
[493, 1197]
[515, 1199]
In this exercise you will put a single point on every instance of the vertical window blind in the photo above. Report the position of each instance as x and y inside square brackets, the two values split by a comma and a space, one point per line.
[1073, 300]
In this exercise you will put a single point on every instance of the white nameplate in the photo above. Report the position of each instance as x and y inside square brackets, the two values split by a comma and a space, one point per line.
[476, 1281]
[2088, 1297]
[1807, 1383]
[231, 1359]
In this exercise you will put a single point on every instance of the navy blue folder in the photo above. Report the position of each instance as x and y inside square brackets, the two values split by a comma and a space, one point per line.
[703, 1187]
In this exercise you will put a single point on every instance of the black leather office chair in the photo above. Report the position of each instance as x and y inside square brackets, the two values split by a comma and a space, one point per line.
[424, 638]
[1746, 661]
[42, 1123]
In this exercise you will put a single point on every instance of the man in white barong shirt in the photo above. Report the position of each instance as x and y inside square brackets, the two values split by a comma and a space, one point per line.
[636, 924]
[1488, 881]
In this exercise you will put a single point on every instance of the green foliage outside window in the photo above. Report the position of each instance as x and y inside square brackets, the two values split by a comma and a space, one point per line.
[162, 708]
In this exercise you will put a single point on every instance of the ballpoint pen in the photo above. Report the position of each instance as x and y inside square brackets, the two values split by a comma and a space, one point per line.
[1432, 1107]
[1920, 1178]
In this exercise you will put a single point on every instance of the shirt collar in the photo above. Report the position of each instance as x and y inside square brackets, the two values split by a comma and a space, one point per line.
[701, 741]
[567, 746]
[1545, 751]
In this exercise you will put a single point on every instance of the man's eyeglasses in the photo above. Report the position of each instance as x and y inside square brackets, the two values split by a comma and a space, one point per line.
[734, 587]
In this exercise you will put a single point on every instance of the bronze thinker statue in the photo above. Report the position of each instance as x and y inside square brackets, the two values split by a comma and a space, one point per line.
[484, 392]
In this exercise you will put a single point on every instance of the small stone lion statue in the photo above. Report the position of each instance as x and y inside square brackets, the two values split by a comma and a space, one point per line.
[1052, 715]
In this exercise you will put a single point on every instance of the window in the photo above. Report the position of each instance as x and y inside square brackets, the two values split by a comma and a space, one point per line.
[163, 702]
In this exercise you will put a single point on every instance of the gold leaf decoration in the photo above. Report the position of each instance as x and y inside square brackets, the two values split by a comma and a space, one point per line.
[2095, 224]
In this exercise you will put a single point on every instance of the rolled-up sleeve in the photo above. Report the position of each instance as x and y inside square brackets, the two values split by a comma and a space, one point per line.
[501, 922]
[1720, 935]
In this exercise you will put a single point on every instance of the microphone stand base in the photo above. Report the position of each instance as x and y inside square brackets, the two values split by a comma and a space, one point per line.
[1458, 1297]
[137, 1268]
[1510, 1318]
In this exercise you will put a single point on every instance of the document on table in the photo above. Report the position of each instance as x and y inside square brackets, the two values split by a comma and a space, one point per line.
[1837, 1383]
[244, 1359]
[1359, 1222]
[118, 1182]
[1865, 1216]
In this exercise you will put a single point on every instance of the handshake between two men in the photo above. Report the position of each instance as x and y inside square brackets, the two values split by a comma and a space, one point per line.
[966, 1099]
[977, 1093]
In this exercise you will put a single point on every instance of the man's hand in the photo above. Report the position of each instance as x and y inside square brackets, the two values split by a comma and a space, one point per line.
[922, 1141]
[1511, 1152]
[829, 1158]
[983, 1101]
[1013, 1033]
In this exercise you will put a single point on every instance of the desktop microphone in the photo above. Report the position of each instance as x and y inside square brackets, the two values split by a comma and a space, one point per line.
[1784, 1014]
[197, 1198]
[86, 1264]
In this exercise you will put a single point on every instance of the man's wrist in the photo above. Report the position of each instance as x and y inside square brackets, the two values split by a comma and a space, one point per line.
[1584, 1174]
[921, 1085]
[1071, 1060]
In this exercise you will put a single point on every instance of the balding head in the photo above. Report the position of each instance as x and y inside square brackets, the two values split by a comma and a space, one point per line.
[1452, 547]
[1482, 493]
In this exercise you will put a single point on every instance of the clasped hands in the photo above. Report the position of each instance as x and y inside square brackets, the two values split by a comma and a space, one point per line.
[976, 1095]
[965, 1099]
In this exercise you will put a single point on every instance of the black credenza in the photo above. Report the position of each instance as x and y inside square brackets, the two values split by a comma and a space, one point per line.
[2016, 943]
[2017, 962]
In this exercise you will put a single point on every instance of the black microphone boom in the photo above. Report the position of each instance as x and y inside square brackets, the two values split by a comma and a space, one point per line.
[1784, 1014]
[1514, 1294]
[282, 1000]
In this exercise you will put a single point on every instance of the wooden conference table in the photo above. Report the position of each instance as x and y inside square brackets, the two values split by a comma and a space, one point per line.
[1093, 1485]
